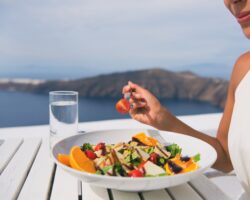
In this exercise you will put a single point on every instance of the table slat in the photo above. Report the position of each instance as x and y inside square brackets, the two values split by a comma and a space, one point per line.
[65, 186]
[12, 178]
[157, 194]
[208, 189]
[120, 195]
[39, 178]
[7, 151]
[94, 193]
[184, 191]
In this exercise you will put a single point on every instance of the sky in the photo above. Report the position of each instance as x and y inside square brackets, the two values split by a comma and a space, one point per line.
[81, 38]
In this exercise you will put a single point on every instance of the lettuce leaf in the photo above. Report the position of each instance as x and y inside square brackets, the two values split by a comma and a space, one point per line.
[197, 157]
[174, 149]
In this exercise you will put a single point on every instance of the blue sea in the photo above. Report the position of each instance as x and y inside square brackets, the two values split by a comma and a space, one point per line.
[22, 109]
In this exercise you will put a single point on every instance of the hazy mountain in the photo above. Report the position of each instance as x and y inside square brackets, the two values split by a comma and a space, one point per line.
[164, 84]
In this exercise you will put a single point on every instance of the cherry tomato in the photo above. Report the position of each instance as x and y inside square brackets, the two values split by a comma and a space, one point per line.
[123, 106]
[90, 154]
[100, 146]
[153, 157]
[136, 173]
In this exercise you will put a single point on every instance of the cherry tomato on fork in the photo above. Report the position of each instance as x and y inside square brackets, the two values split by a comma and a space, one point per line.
[123, 106]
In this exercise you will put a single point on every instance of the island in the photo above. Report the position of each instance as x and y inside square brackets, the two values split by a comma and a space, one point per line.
[162, 83]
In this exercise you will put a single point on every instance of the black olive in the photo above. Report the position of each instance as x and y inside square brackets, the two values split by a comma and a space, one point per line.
[175, 168]
[185, 159]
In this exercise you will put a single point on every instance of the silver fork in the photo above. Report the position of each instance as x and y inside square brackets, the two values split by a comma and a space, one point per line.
[155, 134]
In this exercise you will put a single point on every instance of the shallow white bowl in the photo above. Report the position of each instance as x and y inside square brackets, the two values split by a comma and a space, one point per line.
[190, 146]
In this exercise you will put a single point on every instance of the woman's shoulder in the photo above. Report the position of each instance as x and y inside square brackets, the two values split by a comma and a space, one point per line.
[241, 68]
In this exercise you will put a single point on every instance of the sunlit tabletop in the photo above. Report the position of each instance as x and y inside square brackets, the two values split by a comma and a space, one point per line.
[27, 172]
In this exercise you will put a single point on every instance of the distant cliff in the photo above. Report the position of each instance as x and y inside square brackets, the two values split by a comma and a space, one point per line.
[164, 84]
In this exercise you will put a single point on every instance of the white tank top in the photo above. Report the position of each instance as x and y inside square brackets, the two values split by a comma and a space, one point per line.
[239, 133]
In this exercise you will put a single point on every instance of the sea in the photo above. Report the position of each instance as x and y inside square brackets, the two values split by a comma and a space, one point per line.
[24, 109]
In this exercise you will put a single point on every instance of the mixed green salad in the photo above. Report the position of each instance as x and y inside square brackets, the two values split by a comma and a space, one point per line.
[143, 156]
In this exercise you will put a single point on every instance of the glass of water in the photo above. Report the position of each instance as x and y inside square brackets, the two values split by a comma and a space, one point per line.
[63, 115]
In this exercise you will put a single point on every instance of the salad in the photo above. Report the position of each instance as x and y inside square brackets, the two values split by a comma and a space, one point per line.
[142, 156]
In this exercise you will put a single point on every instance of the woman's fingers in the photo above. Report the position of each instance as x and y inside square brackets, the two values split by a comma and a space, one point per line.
[137, 96]
[126, 89]
[135, 87]
[135, 104]
[132, 87]
[132, 90]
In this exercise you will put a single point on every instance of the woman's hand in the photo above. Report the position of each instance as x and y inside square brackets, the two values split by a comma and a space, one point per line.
[145, 107]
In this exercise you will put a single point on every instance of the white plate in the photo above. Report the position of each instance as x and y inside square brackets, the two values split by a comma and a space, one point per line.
[190, 146]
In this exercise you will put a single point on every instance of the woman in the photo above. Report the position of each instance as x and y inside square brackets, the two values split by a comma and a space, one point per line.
[147, 109]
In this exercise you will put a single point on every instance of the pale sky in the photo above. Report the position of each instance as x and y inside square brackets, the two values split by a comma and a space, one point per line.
[74, 38]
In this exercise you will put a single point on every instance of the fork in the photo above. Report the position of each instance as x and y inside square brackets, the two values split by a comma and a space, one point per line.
[155, 134]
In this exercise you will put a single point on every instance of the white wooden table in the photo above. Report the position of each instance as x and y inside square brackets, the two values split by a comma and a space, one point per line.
[27, 172]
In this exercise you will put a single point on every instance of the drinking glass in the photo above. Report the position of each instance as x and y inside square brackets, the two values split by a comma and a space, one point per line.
[63, 114]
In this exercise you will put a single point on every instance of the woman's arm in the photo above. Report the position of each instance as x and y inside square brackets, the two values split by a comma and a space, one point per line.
[148, 110]
[220, 142]
[159, 117]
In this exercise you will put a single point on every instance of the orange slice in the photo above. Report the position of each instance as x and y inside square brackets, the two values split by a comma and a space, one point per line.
[63, 158]
[191, 167]
[168, 170]
[78, 160]
[145, 139]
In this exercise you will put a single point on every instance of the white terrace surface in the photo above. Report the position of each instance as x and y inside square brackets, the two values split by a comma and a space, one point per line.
[207, 123]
